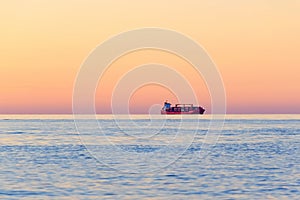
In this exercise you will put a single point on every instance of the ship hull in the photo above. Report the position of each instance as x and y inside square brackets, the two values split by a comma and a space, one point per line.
[192, 112]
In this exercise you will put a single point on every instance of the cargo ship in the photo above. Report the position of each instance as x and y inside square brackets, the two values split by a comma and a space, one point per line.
[181, 109]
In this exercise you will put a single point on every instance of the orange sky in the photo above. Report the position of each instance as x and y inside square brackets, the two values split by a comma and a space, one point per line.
[255, 45]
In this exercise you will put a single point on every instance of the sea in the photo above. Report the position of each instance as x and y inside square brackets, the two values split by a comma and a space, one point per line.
[150, 157]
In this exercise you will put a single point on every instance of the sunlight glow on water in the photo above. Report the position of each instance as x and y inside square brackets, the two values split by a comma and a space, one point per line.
[256, 157]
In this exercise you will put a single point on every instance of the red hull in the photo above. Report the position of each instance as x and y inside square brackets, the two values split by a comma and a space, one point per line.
[197, 111]
[180, 113]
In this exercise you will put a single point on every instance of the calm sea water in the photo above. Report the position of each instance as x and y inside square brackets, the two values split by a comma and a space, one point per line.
[254, 157]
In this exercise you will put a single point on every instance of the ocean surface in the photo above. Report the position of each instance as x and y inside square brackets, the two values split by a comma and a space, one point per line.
[150, 157]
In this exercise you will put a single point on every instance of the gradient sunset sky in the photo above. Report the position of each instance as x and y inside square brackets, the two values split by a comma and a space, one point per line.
[255, 45]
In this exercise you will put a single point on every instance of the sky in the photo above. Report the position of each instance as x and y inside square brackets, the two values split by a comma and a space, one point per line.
[255, 45]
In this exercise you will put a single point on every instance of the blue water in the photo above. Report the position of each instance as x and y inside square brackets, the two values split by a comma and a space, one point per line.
[255, 157]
